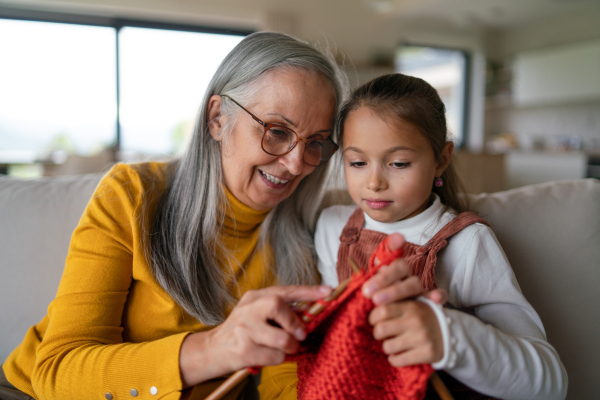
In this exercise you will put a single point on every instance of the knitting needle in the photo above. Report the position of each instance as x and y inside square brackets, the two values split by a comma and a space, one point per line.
[355, 267]
[439, 387]
[229, 384]
[242, 374]
[317, 308]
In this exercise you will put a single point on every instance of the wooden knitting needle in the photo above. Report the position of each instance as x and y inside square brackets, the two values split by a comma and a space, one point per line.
[439, 387]
[242, 374]
[229, 384]
[355, 267]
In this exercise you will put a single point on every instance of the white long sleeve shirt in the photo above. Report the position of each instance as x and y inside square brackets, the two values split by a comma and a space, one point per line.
[494, 341]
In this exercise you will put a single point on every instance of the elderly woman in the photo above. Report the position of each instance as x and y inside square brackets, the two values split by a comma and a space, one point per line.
[167, 282]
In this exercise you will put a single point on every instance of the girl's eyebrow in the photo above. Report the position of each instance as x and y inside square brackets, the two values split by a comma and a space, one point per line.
[356, 149]
[400, 148]
[392, 150]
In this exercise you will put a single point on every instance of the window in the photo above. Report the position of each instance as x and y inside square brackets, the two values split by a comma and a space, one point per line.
[68, 88]
[57, 89]
[445, 70]
[163, 78]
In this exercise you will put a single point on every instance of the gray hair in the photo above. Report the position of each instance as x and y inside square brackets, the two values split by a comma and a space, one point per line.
[183, 246]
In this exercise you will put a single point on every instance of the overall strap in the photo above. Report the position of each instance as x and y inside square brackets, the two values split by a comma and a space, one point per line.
[457, 224]
[359, 251]
[423, 259]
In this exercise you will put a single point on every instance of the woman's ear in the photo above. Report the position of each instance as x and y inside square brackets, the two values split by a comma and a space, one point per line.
[445, 158]
[214, 117]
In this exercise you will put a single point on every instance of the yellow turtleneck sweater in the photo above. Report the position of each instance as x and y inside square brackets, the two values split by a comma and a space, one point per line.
[112, 328]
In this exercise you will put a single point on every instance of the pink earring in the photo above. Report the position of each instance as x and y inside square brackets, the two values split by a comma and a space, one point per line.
[438, 182]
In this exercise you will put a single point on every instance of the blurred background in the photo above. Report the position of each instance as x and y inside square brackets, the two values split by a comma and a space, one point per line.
[86, 83]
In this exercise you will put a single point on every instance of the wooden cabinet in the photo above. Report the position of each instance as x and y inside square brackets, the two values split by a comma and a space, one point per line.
[480, 172]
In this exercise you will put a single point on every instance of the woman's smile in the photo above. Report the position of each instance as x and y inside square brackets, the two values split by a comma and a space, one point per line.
[273, 181]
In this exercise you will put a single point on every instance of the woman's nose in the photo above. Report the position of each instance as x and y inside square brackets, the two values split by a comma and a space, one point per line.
[376, 180]
[294, 160]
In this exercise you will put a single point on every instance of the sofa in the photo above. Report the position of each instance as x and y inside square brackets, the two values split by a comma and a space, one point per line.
[550, 233]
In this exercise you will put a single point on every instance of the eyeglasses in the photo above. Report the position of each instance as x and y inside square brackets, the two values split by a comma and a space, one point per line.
[279, 140]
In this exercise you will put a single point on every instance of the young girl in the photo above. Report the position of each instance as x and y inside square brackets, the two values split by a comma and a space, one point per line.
[398, 172]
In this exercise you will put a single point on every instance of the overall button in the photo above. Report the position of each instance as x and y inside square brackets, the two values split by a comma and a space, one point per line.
[349, 235]
[153, 390]
[108, 396]
[133, 392]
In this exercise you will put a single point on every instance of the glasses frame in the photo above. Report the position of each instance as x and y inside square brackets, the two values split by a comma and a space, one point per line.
[267, 126]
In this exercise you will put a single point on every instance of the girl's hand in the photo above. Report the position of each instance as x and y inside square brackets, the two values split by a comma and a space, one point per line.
[261, 330]
[410, 333]
[394, 282]
[409, 328]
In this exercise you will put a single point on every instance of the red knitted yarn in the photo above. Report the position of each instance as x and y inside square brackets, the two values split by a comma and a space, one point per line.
[341, 359]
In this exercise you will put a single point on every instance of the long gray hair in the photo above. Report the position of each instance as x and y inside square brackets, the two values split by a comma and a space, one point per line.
[183, 246]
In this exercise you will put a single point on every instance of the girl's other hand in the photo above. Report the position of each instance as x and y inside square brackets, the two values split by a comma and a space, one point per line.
[409, 329]
[410, 333]
[261, 330]
[394, 282]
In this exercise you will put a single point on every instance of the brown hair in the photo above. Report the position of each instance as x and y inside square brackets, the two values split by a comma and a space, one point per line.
[412, 100]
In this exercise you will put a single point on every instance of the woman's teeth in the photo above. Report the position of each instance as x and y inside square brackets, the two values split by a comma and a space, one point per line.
[273, 179]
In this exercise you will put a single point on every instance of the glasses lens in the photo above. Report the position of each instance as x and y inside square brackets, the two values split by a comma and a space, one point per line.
[278, 140]
[318, 152]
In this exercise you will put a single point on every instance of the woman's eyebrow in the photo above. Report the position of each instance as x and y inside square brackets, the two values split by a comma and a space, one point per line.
[329, 130]
[284, 118]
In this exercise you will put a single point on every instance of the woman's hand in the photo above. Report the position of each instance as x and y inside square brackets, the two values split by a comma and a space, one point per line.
[261, 330]
[409, 328]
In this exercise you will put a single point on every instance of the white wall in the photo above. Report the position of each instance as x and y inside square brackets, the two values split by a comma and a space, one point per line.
[561, 30]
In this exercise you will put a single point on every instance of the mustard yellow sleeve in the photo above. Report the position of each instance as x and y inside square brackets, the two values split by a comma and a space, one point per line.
[279, 382]
[83, 354]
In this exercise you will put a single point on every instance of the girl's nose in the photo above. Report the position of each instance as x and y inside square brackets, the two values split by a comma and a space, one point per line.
[294, 160]
[376, 180]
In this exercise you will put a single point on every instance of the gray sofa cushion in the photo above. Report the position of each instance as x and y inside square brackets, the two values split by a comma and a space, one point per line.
[37, 218]
[551, 235]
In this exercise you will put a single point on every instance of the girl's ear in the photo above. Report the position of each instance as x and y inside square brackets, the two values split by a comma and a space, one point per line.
[444, 159]
[214, 117]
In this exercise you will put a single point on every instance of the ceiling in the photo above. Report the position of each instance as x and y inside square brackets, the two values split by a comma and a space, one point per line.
[483, 13]
[496, 14]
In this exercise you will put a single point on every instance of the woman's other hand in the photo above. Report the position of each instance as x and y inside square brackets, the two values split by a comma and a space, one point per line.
[409, 328]
[261, 330]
